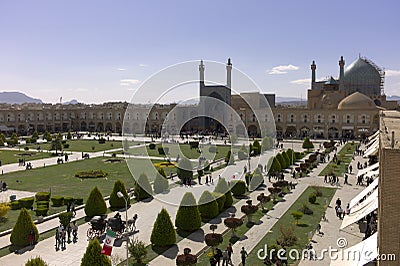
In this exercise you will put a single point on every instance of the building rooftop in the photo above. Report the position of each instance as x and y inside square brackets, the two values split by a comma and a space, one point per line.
[389, 125]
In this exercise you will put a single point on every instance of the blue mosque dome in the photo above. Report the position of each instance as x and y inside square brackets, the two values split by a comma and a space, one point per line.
[363, 76]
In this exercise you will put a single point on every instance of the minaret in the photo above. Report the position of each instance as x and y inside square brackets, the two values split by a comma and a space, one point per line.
[341, 75]
[313, 68]
[201, 69]
[229, 74]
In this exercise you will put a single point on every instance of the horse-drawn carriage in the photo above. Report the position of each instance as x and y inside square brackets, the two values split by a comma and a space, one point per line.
[99, 224]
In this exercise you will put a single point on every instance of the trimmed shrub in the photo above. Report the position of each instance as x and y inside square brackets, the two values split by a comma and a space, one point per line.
[57, 201]
[186, 259]
[65, 218]
[91, 174]
[42, 211]
[267, 143]
[26, 203]
[256, 180]
[220, 198]
[222, 187]
[312, 198]
[274, 166]
[238, 187]
[184, 170]
[290, 154]
[36, 262]
[4, 208]
[256, 148]
[229, 159]
[42, 196]
[22, 228]
[188, 215]
[286, 158]
[116, 202]
[208, 206]
[137, 249]
[143, 188]
[160, 184]
[93, 255]
[42, 204]
[78, 201]
[213, 239]
[68, 201]
[95, 204]
[152, 146]
[307, 144]
[281, 160]
[163, 233]
[15, 205]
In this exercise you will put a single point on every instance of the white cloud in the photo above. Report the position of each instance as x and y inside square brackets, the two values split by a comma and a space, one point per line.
[128, 82]
[143, 65]
[301, 81]
[392, 73]
[121, 69]
[282, 69]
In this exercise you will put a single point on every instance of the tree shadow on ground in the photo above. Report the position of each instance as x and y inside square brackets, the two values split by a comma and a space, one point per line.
[169, 252]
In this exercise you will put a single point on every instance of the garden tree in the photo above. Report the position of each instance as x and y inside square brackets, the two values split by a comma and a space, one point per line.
[59, 136]
[38, 261]
[281, 160]
[160, 183]
[95, 204]
[3, 137]
[34, 137]
[267, 143]
[69, 136]
[229, 159]
[47, 136]
[163, 233]
[297, 216]
[238, 187]
[256, 148]
[188, 215]
[208, 206]
[286, 158]
[274, 166]
[186, 259]
[249, 210]
[243, 153]
[223, 188]
[185, 169]
[4, 208]
[263, 199]
[22, 228]
[274, 192]
[137, 249]
[214, 239]
[287, 238]
[220, 198]
[56, 145]
[117, 203]
[93, 255]
[307, 144]
[256, 180]
[13, 140]
[143, 188]
[291, 156]
[233, 223]
[65, 218]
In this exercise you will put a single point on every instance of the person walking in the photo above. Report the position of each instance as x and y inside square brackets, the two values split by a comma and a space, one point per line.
[31, 237]
[225, 258]
[75, 232]
[57, 240]
[230, 251]
[69, 230]
[63, 239]
[243, 255]
[73, 209]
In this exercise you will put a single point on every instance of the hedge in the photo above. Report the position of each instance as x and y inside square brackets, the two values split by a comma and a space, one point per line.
[57, 201]
[26, 203]
[68, 201]
[40, 196]
[188, 215]
[42, 204]
[91, 174]
[78, 201]
[41, 211]
[208, 205]
[238, 188]
[15, 205]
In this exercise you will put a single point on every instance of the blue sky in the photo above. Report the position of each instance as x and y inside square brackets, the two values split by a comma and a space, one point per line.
[96, 51]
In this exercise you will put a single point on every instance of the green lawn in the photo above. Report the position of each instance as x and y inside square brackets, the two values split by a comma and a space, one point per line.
[62, 181]
[182, 149]
[81, 145]
[11, 156]
[306, 225]
[345, 155]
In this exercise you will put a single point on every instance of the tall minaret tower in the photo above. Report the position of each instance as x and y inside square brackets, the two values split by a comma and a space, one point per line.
[201, 69]
[313, 68]
[229, 74]
[341, 75]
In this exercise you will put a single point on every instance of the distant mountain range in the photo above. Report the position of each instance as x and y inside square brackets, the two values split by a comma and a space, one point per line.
[17, 97]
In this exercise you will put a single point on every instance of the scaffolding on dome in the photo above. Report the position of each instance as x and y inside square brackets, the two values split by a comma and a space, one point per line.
[380, 70]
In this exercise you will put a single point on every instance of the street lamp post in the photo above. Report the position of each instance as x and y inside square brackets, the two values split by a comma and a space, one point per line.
[120, 195]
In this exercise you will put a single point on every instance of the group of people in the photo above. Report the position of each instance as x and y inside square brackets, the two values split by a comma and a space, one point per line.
[340, 212]
[3, 186]
[63, 235]
[224, 256]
